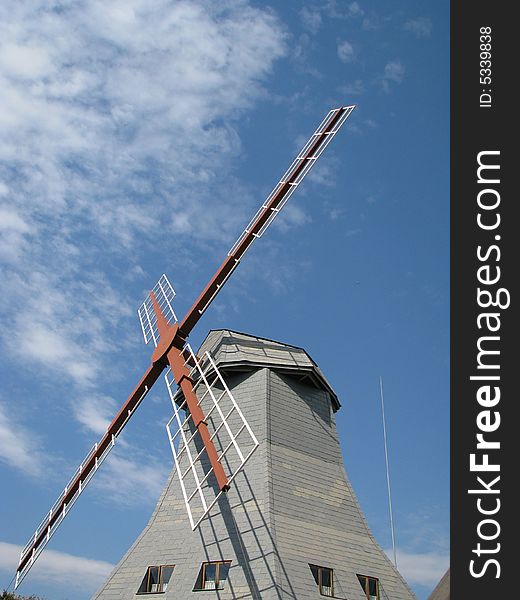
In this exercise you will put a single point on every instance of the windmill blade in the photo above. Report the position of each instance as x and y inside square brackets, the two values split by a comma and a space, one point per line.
[229, 430]
[82, 476]
[164, 294]
[155, 315]
[291, 179]
[274, 203]
[59, 511]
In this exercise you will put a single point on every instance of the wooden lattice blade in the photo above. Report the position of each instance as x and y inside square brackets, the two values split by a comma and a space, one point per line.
[228, 429]
[304, 161]
[83, 475]
[163, 293]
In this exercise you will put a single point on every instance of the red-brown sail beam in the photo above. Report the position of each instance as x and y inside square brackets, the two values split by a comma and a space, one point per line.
[171, 345]
[232, 260]
[87, 469]
[182, 377]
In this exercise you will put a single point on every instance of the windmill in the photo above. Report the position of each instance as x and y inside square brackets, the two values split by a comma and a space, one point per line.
[204, 407]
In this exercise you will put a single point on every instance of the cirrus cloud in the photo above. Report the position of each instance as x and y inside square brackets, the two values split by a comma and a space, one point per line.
[119, 136]
[345, 51]
[77, 572]
[118, 125]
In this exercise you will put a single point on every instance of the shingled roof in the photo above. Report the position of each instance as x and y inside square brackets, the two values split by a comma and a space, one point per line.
[232, 349]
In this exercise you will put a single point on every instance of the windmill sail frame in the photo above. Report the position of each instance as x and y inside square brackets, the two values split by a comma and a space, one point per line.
[229, 428]
[159, 324]
[164, 294]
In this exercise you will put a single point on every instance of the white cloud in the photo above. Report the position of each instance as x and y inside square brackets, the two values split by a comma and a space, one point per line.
[336, 212]
[345, 51]
[420, 27]
[312, 16]
[292, 215]
[59, 322]
[421, 568]
[118, 136]
[394, 73]
[324, 174]
[59, 568]
[130, 482]
[311, 19]
[18, 448]
[10, 220]
[14, 232]
[125, 92]
[356, 88]
[341, 10]
[355, 9]
[95, 412]
[26, 62]
[424, 556]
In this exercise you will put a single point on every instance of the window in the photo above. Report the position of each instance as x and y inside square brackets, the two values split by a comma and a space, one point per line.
[324, 578]
[212, 575]
[156, 579]
[370, 586]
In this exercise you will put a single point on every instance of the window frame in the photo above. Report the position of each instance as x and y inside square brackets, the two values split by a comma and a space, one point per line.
[320, 579]
[160, 582]
[202, 576]
[366, 589]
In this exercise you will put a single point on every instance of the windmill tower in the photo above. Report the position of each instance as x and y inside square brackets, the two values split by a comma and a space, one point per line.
[290, 525]
[239, 459]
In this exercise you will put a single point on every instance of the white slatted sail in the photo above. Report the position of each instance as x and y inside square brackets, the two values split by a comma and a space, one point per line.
[164, 293]
[295, 174]
[49, 525]
[231, 434]
[61, 508]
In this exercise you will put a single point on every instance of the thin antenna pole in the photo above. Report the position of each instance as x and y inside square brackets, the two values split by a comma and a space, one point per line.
[387, 471]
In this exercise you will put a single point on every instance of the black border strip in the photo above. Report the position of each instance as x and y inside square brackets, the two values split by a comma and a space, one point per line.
[482, 121]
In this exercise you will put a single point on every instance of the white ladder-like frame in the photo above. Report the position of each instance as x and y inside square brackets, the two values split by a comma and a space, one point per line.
[288, 175]
[182, 434]
[46, 524]
[164, 294]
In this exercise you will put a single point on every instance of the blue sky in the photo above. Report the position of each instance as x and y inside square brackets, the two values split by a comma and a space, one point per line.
[139, 140]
